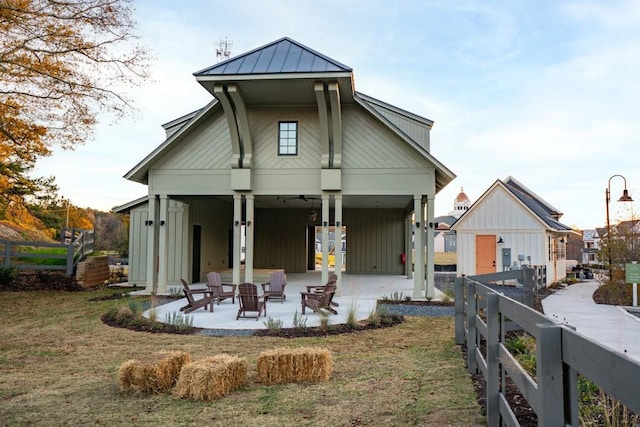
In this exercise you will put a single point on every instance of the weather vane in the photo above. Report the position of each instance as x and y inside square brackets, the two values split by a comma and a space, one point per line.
[223, 51]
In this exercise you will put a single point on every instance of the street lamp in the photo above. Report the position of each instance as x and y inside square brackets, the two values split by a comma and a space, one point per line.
[624, 198]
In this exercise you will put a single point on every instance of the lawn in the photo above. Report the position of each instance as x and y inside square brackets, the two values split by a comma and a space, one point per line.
[59, 363]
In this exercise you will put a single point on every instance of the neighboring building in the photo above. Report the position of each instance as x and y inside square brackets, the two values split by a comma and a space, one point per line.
[445, 238]
[508, 226]
[285, 133]
[591, 245]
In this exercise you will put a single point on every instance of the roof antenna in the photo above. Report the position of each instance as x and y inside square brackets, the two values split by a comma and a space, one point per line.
[223, 51]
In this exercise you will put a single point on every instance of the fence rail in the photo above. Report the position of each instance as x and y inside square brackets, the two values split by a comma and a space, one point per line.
[65, 256]
[483, 317]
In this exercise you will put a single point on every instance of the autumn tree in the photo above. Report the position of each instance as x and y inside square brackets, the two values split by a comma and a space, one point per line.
[62, 63]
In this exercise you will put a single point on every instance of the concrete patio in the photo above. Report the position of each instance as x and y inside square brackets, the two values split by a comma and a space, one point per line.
[359, 291]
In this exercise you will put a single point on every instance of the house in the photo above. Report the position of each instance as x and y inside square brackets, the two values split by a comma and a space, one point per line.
[445, 238]
[507, 227]
[591, 245]
[286, 145]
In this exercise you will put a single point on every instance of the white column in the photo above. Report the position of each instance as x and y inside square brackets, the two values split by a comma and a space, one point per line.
[152, 244]
[237, 241]
[163, 245]
[418, 278]
[248, 243]
[325, 238]
[430, 292]
[408, 266]
[425, 242]
[338, 241]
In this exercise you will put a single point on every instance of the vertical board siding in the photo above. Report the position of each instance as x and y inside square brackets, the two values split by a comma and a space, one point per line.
[264, 132]
[138, 246]
[375, 240]
[281, 239]
[499, 211]
[179, 253]
[215, 216]
[369, 144]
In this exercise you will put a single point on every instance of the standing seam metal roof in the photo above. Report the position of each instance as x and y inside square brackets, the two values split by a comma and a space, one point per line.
[281, 56]
[535, 205]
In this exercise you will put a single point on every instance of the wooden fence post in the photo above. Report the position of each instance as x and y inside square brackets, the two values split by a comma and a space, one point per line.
[549, 373]
[70, 258]
[7, 253]
[493, 360]
[459, 309]
[472, 333]
[529, 286]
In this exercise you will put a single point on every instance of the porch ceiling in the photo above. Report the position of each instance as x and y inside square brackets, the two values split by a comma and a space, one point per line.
[309, 201]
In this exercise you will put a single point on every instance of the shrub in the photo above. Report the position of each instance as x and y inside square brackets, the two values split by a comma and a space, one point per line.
[273, 325]
[7, 275]
[352, 320]
[299, 322]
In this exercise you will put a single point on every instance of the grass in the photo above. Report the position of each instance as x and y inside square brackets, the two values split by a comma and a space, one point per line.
[59, 363]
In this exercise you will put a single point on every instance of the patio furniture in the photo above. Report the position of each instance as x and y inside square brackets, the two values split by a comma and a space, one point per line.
[193, 302]
[320, 288]
[317, 301]
[275, 286]
[217, 288]
[250, 301]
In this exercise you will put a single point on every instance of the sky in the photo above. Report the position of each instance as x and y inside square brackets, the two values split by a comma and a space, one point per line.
[545, 91]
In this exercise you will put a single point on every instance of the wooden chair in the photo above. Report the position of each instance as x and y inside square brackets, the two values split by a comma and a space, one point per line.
[320, 288]
[217, 288]
[317, 301]
[250, 301]
[275, 286]
[193, 302]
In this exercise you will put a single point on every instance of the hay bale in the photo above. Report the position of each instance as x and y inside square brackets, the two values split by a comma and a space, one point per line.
[294, 365]
[156, 374]
[212, 377]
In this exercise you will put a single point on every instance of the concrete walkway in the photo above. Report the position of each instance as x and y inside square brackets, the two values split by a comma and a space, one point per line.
[358, 292]
[608, 325]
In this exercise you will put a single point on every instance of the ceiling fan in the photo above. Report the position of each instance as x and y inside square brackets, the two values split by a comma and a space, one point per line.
[300, 197]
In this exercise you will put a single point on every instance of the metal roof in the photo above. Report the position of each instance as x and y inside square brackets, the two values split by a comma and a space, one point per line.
[281, 56]
[537, 205]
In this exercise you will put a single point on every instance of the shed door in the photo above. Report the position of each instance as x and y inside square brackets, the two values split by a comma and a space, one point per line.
[485, 254]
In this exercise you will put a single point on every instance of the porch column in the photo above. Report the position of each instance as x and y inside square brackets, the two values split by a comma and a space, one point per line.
[325, 237]
[248, 243]
[408, 249]
[430, 292]
[237, 240]
[152, 244]
[418, 278]
[338, 241]
[425, 242]
[163, 244]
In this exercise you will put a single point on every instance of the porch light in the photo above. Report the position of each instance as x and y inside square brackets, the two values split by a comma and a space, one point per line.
[313, 215]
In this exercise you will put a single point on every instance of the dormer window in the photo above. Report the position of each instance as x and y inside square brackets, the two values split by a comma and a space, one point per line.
[288, 138]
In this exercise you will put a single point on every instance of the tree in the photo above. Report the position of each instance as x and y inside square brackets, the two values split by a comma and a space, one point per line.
[62, 62]
[623, 245]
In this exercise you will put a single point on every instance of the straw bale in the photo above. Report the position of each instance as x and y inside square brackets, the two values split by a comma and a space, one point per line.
[156, 374]
[294, 365]
[212, 377]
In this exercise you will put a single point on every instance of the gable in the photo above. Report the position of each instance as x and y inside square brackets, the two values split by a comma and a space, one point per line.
[205, 146]
[498, 210]
[368, 144]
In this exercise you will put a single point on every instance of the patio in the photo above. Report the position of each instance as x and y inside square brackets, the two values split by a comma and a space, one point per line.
[357, 290]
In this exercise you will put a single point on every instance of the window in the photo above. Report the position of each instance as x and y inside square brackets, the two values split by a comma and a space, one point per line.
[288, 139]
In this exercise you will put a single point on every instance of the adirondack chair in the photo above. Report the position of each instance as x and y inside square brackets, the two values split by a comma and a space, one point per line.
[274, 288]
[320, 288]
[250, 301]
[217, 288]
[319, 301]
[193, 302]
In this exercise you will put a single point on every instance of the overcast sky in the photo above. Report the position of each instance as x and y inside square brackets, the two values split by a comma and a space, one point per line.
[545, 91]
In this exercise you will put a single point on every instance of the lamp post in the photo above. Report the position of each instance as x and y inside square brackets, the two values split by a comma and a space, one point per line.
[624, 198]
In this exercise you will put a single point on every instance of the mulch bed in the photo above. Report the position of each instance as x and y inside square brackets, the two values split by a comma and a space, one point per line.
[519, 405]
[29, 280]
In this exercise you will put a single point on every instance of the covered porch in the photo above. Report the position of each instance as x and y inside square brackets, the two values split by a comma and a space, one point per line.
[359, 291]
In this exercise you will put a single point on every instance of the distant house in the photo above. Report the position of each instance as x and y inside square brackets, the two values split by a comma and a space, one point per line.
[591, 245]
[286, 145]
[445, 238]
[508, 226]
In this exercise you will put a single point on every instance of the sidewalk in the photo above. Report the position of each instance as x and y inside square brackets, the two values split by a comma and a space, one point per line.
[608, 325]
